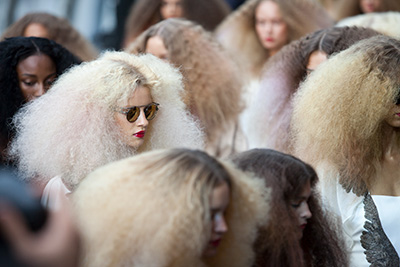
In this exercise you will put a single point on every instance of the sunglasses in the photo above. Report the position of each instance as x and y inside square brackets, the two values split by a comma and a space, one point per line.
[132, 113]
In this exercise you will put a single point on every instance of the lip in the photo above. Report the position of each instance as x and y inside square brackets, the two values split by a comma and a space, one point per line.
[397, 114]
[303, 226]
[215, 243]
[269, 39]
[139, 134]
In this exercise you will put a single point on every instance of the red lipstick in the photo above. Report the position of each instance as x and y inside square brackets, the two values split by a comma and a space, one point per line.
[215, 243]
[303, 226]
[139, 134]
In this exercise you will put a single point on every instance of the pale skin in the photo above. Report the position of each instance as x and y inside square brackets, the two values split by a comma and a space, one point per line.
[155, 46]
[315, 59]
[36, 30]
[171, 9]
[387, 180]
[300, 206]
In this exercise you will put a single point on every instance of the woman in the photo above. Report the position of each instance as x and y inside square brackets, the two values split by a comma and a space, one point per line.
[213, 83]
[28, 68]
[271, 107]
[145, 13]
[349, 8]
[100, 112]
[347, 125]
[174, 207]
[55, 28]
[297, 233]
[260, 28]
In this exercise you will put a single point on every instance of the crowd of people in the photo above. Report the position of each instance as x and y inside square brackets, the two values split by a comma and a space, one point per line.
[265, 135]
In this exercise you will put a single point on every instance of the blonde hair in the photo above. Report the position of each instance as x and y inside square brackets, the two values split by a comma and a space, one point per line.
[349, 8]
[385, 22]
[60, 31]
[213, 83]
[71, 130]
[340, 110]
[155, 207]
[237, 32]
[145, 13]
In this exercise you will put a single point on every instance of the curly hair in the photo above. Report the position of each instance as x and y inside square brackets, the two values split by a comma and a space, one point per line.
[338, 118]
[237, 32]
[278, 243]
[71, 130]
[59, 30]
[271, 108]
[145, 13]
[155, 207]
[12, 51]
[212, 81]
[385, 22]
[349, 8]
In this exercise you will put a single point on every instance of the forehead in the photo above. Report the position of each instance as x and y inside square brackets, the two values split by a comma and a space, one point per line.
[268, 9]
[140, 97]
[37, 63]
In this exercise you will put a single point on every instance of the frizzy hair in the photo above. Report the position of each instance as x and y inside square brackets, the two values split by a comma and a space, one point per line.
[172, 187]
[213, 83]
[71, 130]
[59, 30]
[338, 118]
[348, 8]
[280, 79]
[278, 242]
[13, 51]
[145, 13]
[237, 32]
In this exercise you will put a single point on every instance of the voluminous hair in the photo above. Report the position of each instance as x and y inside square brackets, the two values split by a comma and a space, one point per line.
[59, 30]
[278, 242]
[340, 110]
[237, 32]
[12, 52]
[349, 8]
[384, 22]
[71, 130]
[213, 83]
[145, 13]
[271, 108]
[156, 209]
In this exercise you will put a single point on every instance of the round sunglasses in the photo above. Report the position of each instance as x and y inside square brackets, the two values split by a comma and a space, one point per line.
[132, 113]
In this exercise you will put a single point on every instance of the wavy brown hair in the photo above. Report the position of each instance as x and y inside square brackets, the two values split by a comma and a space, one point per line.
[271, 108]
[278, 243]
[59, 30]
[213, 83]
[145, 13]
[340, 110]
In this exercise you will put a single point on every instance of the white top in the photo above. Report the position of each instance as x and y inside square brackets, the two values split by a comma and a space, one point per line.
[53, 192]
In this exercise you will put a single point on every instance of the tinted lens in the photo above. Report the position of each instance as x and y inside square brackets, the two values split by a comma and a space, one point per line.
[150, 111]
[133, 114]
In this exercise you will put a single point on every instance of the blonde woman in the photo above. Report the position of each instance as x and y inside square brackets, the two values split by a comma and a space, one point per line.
[107, 109]
[346, 123]
[213, 83]
[176, 207]
[260, 28]
[349, 8]
[145, 13]
[55, 28]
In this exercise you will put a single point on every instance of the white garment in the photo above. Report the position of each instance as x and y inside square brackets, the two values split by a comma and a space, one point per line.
[53, 192]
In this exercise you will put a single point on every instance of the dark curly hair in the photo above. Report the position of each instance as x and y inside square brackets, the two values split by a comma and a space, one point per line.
[277, 243]
[12, 51]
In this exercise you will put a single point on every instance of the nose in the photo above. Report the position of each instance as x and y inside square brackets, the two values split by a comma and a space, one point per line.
[220, 225]
[142, 120]
[306, 213]
[40, 90]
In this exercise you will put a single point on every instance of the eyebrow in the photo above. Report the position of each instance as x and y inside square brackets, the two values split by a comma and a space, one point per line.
[33, 75]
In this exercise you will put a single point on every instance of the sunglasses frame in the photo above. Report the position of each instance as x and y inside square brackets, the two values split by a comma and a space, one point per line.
[125, 111]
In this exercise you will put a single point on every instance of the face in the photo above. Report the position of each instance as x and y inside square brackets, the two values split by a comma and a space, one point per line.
[271, 29]
[155, 45]
[300, 207]
[36, 30]
[315, 59]
[36, 74]
[219, 201]
[368, 6]
[393, 118]
[171, 9]
[134, 133]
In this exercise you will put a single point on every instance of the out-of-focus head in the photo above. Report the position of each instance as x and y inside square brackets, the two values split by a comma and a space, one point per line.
[369, 6]
[171, 9]
[36, 30]
[271, 28]
[155, 45]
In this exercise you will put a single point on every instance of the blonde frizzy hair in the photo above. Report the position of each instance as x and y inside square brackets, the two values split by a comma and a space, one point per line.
[153, 210]
[71, 130]
[238, 35]
[213, 83]
[340, 110]
[385, 22]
